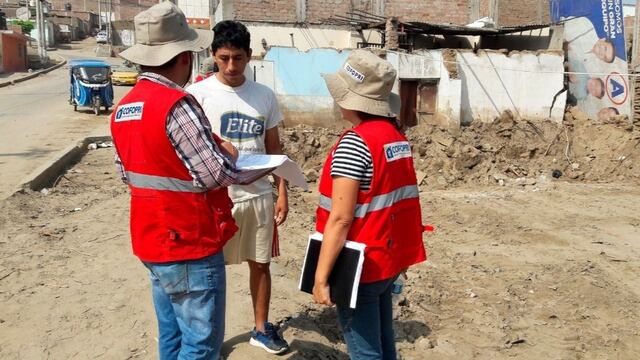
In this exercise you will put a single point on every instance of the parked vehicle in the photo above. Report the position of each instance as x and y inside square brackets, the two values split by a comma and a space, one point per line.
[64, 35]
[124, 75]
[101, 37]
[90, 85]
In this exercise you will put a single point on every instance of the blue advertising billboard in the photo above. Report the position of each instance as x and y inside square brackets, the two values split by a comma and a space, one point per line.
[596, 55]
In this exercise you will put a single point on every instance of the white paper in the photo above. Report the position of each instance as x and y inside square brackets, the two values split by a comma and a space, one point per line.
[259, 161]
[254, 166]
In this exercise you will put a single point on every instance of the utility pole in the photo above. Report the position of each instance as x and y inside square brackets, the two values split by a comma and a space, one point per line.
[636, 34]
[99, 16]
[634, 59]
[109, 28]
[42, 44]
[494, 11]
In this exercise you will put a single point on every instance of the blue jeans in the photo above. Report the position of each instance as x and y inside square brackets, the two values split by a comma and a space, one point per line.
[189, 298]
[368, 329]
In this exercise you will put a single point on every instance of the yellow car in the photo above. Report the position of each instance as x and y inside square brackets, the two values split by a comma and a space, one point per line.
[122, 75]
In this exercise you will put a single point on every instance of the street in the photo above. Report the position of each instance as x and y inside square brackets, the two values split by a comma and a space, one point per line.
[36, 120]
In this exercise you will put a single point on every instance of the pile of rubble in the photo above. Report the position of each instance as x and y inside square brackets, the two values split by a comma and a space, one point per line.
[508, 151]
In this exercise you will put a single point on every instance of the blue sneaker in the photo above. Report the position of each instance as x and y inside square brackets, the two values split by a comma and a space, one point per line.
[269, 340]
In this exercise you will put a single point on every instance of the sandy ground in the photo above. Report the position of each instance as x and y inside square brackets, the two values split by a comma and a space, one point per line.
[37, 122]
[550, 270]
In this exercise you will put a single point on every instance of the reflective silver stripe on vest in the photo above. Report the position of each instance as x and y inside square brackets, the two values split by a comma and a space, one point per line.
[161, 183]
[377, 202]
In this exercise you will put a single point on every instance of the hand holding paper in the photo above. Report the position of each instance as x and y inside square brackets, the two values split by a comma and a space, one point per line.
[253, 167]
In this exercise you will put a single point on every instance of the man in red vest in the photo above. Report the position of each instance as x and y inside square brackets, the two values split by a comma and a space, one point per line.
[177, 172]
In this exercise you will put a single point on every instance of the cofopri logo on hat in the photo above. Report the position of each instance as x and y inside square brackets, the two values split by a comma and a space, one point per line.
[355, 74]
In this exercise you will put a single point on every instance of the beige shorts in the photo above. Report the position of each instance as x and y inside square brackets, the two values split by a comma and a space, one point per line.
[254, 238]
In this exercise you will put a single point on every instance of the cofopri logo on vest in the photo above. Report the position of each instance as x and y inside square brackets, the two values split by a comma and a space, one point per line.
[240, 127]
[130, 112]
[397, 150]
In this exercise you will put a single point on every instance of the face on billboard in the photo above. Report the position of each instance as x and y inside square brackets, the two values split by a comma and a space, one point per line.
[594, 32]
[604, 50]
[607, 113]
[595, 87]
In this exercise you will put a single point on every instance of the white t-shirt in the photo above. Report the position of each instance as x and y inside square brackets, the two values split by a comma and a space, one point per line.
[240, 115]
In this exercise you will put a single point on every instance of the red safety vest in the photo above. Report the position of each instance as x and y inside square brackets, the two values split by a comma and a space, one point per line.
[171, 219]
[387, 217]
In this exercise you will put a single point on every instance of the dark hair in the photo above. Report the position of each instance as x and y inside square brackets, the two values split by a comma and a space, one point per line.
[613, 53]
[366, 117]
[232, 34]
[614, 110]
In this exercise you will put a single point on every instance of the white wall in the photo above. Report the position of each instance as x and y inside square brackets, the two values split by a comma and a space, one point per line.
[262, 72]
[423, 65]
[449, 99]
[523, 82]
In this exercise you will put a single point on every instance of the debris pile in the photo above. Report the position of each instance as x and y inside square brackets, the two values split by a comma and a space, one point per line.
[508, 151]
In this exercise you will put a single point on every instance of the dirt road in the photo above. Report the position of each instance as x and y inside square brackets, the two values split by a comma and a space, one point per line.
[528, 272]
[36, 120]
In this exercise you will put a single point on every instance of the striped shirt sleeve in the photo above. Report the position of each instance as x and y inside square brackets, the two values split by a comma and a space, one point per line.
[352, 159]
[190, 133]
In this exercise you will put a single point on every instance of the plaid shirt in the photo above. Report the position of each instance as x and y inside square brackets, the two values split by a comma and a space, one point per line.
[189, 131]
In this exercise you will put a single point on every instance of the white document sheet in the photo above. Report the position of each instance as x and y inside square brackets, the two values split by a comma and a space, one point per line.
[253, 167]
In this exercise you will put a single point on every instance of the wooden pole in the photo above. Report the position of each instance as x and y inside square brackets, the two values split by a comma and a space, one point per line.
[634, 59]
[636, 32]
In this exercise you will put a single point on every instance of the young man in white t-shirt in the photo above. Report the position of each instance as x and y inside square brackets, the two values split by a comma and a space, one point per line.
[246, 114]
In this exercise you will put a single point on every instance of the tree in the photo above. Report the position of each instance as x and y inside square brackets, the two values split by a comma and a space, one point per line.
[26, 25]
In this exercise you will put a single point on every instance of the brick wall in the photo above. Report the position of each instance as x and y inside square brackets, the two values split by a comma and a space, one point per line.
[484, 8]
[130, 8]
[280, 11]
[319, 10]
[522, 12]
[284, 11]
[510, 12]
[122, 9]
[436, 11]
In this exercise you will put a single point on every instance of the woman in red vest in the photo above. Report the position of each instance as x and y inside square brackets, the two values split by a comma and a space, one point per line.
[368, 194]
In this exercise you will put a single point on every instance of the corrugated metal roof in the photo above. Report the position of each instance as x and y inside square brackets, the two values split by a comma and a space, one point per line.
[449, 29]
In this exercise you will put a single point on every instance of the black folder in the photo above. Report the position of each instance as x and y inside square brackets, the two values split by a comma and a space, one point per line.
[345, 276]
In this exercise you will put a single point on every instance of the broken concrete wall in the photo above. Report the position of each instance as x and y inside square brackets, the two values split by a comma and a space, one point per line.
[468, 87]
[301, 91]
[523, 82]
[449, 100]
[429, 67]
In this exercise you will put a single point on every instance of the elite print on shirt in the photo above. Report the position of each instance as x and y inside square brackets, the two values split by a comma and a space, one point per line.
[236, 126]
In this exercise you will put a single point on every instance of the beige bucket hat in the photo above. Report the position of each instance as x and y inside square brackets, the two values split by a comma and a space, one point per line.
[162, 33]
[364, 83]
